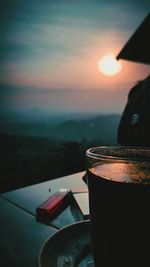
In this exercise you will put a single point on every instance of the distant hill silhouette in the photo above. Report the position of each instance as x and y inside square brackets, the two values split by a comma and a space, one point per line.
[35, 152]
[103, 127]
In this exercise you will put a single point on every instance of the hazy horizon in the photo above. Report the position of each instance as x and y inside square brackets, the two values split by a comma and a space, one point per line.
[50, 52]
[57, 101]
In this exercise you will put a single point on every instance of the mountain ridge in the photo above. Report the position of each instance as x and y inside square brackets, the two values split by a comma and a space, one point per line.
[99, 127]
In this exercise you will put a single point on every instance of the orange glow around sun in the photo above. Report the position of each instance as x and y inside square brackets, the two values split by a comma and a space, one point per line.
[108, 65]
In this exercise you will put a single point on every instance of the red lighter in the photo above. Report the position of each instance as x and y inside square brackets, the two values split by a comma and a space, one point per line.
[53, 204]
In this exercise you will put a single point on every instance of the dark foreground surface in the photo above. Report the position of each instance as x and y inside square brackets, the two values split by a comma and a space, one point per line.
[23, 235]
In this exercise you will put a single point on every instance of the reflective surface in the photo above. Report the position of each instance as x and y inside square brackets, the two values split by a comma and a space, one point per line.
[21, 234]
[127, 172]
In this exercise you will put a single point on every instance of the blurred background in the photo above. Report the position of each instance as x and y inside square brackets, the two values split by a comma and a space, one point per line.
[55, 99]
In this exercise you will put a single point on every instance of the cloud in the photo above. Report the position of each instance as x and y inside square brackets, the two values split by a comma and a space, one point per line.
[42, 36]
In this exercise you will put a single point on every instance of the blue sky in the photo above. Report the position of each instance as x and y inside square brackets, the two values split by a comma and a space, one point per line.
[51, 45]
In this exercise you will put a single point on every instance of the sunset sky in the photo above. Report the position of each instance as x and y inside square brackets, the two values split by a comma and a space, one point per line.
[50, 51]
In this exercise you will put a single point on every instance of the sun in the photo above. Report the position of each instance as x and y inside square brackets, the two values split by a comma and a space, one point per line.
[108, 65]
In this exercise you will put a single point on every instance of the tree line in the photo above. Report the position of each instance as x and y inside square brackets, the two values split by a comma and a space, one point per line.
[29, 160]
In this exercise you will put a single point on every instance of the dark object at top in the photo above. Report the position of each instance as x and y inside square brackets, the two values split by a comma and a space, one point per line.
[138, 46]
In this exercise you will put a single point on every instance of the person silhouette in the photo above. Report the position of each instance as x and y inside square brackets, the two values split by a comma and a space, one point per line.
[134, 125]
